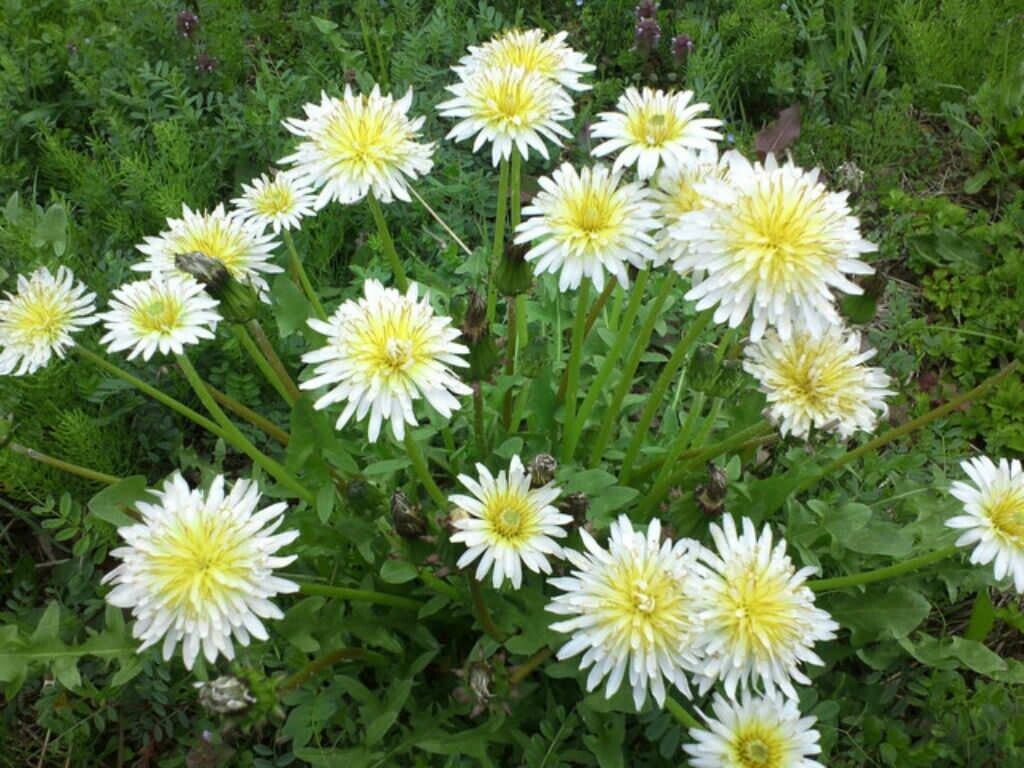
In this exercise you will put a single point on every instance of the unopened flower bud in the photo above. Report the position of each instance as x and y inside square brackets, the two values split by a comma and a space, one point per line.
[542, 469]
[474, 322]
[646, 9]
[711, 495]
[576, 506]
[238, 302]
[187, 23]
[407, 518]
[647, 35]
[682, 47]
[225, 695]
[513, 275]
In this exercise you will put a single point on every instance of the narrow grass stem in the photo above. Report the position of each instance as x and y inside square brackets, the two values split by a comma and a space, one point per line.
[499, 239]
[611, 420]
[444, 225]
[478, 422]
[611, 360]
[657, 393]
[233, 435]
[248, 414]
[359, 595]
[329, 659]
[882, 574]
[254, 328]
[573, 378]
[64, 466]
[419, 465]
[483, 614]
[300, 272]
[388, 243]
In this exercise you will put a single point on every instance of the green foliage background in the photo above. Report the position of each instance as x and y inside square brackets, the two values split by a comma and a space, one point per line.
[107, 126]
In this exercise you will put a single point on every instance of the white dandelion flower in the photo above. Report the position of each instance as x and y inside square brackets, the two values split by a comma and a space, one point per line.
[759, 619]
[773, 243]
[241, 246]
[755, 732]
[586, 223]
[509, 525]
[819, 383]
[631, 609]
[162, 314]
[510, 107]
[532, 51]
[993, 518]
[277, 203]
[199, 569]
[384, 352]
[37, 322]
[652, 128]
[358, 145]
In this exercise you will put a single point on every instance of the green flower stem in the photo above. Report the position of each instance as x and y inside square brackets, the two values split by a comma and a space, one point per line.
[523, 671]
[175, 405]
[261, 362]
[419, 465]
[359, 595]
[478, 422]
[295, 263]
[632, 362]
[444, 225]
[483, 614]
[515, 195]
[438, 585]
[388, 243]
[573, 379]
[611, 360]
[254, 328]
[328, 660]
[657, 393]
[64, 466]
[701, 452]
[248, 414]
[679, 713]
[511, 346]
[882, 574]
[906, 429]
[499, 239]
[240, 441]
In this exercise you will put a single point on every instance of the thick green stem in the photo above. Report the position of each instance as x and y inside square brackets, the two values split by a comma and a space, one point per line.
[882, 574]
[511, 347]
[523, 671]
[261, 362]
[245, 412]
[64, 466]
[241, 442]
[483, 614]
[175, 405]
[679, 713]
[295, 263]
[611, 360]
[573, 378]
[657, 393]
[263, 342]
[328, 660]
[611, 420]
[478, 422]
[419, 465]
[388, 243]
[515, 195]
[359, 595]
[498, 246]
[905, 429]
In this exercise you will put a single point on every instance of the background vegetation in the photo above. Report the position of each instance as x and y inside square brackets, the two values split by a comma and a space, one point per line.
[111, 117]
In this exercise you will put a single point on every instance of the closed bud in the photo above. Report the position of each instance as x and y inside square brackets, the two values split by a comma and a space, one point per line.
[238, 301]
[407, 518]
[542, 469]
[514, 274]
[225, 695]
[474, 321]
[711, 495]
[576, 506]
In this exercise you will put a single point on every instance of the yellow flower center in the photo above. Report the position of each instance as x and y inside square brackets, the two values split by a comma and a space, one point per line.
[39, 316]
[1006, 511]
[643, 606]
[816, 378]
[160, 315]
[757, 746]
[591, 219]
[274, 199]
[653, 128]
[757, 613]
[507, 102]
[215, 240]
[389, 344]
[519, 50]
[511, 516]
[643, 600]
[197, 564]
[367, 136]
[398, 353]
[781, 231]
